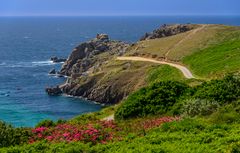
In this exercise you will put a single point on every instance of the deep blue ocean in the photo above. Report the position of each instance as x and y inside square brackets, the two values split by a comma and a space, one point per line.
[27, 43]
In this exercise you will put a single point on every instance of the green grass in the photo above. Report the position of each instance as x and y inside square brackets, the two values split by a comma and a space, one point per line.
[164, 73]
[183, 44]
[186, 136]
[216, 60]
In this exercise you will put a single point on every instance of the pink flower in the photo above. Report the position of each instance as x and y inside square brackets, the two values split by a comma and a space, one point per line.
[66, 134]
[49, 138]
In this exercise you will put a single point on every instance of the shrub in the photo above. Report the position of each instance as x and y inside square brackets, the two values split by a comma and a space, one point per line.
[222, 91]
[158, 98]
[201, 107]
[227, 114]
[46, 123]
[235, 148]
[100, 131]
[10, 136]
[185, 125]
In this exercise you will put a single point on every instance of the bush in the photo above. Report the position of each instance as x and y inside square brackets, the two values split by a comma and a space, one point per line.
[10, 136]
[227, 114]
[158, 98]
[223, 91]
[201, 107]
[46, 123]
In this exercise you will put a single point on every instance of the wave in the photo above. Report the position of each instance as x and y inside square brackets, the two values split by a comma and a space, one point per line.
[26, 37]
[2, 64]
[27, 64]
[4, 94]
[43, 63]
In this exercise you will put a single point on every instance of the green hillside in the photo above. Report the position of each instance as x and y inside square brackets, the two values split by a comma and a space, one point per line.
[208, 50]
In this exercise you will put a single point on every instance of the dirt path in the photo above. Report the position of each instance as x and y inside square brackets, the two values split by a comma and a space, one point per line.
[109, 118]
[192, 32]
[187, 73]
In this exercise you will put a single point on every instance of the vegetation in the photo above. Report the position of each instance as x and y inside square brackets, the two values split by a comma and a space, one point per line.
[164, 97]
[205, 121]
[188, 135]
[207, 63]
[202, 107]
[10, 136]
[156, 99]
[223, 91]
[165, 116]
[163, 73]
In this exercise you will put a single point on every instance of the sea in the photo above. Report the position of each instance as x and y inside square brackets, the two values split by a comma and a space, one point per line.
[27, 44]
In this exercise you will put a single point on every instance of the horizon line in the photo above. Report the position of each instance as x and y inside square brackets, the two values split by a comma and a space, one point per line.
[117, 15]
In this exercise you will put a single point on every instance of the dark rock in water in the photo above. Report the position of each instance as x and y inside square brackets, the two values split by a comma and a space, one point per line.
[168, 30]
[57, 60]
[54, 91]
[59, 75]
[55, 73]
[52, 72]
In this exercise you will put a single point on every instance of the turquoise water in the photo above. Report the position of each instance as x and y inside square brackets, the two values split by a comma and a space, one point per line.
[26, 44]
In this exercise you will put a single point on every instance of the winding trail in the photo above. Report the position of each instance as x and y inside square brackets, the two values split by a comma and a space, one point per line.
[186, 72]
[190, 34]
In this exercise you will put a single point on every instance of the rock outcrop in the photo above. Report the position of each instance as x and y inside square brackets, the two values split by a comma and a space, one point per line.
[83, 57]
[57, 60]
[54, 91]
[83, 68]
[168, 30]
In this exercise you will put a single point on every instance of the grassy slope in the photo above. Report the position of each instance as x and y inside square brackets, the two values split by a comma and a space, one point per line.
[164, 72]
[217, 59]
[205, 51]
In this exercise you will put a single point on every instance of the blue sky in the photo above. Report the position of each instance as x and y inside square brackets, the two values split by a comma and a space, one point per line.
[118, 7]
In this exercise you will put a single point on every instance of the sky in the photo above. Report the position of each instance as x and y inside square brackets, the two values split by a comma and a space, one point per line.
[118, 7]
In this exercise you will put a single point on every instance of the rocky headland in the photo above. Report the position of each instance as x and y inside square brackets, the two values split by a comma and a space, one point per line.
[94, 74]
[85, 64]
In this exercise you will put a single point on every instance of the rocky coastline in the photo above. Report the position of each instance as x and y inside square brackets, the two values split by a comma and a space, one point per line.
[87, 69]
[84, 61]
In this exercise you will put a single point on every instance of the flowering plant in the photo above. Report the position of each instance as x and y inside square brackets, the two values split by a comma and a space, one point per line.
[101, 131]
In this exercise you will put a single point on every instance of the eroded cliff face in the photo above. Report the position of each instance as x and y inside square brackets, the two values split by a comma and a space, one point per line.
[90, 71]
[85, 56]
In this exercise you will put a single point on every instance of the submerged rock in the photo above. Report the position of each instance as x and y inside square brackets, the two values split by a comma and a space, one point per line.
[54, 91]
